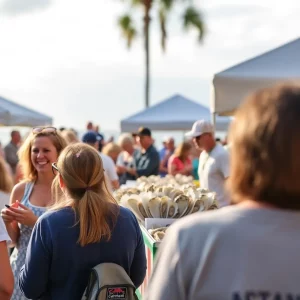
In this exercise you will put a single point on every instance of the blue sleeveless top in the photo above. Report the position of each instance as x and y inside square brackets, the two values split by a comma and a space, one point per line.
[17, 259]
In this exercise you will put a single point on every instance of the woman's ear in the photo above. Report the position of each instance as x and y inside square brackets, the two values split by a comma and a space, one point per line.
[61, 182]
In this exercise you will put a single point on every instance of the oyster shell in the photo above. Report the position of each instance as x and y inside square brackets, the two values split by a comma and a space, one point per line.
[198, 206]
[142, 210]
[152, 231]
[159, 235]
[164, 206]
[131, 202]
[172, 209]
[154, 205]
[182, 202]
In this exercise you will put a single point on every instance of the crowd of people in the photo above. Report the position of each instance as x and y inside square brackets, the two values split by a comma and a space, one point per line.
[59, 216]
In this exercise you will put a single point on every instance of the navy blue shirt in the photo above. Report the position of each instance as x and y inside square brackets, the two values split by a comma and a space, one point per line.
[147, 163]
[57, 267]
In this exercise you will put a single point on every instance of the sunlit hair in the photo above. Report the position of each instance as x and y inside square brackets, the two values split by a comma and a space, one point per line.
[125, 138]
[265, 138]
[69, 136]
[81, 169]
[28, 170]
[111, 148]
[6, 181]
[182, 150]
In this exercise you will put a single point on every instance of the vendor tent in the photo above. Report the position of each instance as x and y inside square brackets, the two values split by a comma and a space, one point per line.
[13, 114]
[234, 84]
[175, 113]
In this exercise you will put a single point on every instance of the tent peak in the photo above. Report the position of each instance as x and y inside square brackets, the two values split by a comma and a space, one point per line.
[257, 57]
[174, 113]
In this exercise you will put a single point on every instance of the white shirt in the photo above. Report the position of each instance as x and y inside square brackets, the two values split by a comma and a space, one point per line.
[213, 170]
[3, 233]
[4, 199]
[109, 167]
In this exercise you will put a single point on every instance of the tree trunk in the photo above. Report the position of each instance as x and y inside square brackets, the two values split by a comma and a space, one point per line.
[147, 50]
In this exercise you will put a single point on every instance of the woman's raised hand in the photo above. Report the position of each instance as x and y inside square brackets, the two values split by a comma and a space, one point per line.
[22, 215]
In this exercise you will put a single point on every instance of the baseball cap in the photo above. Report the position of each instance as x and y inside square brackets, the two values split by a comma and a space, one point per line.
[90, 137]
[143, 131]
[200, 127]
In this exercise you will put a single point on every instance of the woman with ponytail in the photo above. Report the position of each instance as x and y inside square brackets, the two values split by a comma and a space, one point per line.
[85, 227]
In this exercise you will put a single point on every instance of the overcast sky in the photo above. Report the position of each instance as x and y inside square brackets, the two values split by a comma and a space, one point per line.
[66, 58]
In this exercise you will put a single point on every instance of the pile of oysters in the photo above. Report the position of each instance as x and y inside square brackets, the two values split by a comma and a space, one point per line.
[176, 180]
[153, 201]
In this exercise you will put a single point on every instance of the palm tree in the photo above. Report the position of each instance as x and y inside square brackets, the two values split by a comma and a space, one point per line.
[191, 18]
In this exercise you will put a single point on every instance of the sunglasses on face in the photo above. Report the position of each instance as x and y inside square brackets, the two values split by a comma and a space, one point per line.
[37, 130]
[54, 168]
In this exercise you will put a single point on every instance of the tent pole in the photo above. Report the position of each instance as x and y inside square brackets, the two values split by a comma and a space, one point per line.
[214, 121]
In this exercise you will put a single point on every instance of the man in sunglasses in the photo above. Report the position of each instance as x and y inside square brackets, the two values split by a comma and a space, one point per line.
[213, 167]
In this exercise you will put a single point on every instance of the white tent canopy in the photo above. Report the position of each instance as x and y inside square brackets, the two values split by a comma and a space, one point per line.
[234, 84]
[175, 113]
[13, 114]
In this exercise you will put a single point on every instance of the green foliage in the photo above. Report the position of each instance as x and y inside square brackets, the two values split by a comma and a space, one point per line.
[163, 30]
[128, 30]
[193, 19]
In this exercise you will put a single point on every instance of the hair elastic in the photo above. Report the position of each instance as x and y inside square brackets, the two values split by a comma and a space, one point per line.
[78, 153]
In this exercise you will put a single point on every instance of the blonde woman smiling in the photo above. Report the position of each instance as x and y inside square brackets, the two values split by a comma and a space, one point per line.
[31, 197]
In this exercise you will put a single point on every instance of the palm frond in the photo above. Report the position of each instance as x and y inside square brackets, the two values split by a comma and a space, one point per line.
[192, 18]
[136, 2]
[167, 4]
[127, 27]
[163, 31]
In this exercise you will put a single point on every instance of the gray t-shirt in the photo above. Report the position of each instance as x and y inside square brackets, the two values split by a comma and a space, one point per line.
[234, 253]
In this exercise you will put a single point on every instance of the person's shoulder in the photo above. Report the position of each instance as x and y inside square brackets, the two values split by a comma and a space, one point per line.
[203, 222]
[104, 156]
[126, 213]
[55, 217]
[127, 217]
[2, 228]
[19, 190]
[106, 159]
[173, 158]
[153, 150]
[136, 152]
[203, 155]
[220, 152]
[162, 151]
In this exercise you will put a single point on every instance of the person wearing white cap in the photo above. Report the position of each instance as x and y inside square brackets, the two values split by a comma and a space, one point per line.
[213, 167]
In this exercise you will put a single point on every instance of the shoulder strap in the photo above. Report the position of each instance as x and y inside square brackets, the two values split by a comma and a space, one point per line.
[28, 190]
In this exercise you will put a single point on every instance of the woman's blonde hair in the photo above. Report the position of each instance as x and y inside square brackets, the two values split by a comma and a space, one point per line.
[69, 136]
[265, 147]
[6, 181]
[28, 170]
[182, 149]
[110, 148]
[125, 138]
[81, 169]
